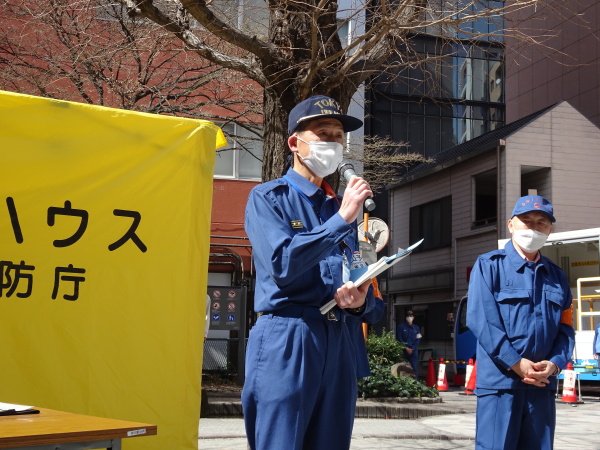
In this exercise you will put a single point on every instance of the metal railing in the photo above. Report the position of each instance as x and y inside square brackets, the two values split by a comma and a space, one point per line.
[220, 355]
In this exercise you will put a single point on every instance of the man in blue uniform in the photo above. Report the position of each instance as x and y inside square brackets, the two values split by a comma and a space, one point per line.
[301, 366]
[516, 300]
[409, 333]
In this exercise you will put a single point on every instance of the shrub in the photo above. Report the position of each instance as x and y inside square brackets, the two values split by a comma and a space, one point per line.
[385, 351]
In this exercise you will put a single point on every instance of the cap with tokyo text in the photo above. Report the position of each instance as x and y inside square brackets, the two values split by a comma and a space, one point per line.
[317, 107]
[533, 203]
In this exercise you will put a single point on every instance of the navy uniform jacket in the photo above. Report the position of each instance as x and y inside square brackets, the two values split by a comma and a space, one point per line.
[515, 311]
[299, 241]
[408, 334]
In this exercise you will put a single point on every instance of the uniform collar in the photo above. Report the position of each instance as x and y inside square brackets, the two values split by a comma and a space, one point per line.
[307, 187]
[538, 255]
[517, 260]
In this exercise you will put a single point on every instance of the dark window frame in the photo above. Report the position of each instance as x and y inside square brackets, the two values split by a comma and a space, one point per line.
[432, 222]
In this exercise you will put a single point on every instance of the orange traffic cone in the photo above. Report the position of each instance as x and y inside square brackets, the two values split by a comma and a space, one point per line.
[468, 372]
[471, 378]
[430, 382]
[442, 382]
[569, 394]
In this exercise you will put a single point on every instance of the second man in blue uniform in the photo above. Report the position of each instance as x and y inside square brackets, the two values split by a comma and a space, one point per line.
[516, 302]
[409, 333]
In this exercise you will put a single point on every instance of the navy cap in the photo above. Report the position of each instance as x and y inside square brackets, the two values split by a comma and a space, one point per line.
[533, 203]
[317, 107]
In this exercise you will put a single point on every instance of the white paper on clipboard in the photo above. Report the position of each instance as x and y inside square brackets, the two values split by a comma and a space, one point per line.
[372, 270]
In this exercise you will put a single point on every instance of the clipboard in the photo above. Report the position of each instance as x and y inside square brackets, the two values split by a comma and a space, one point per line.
[372, 270]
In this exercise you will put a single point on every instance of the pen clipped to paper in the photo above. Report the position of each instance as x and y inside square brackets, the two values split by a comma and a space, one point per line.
[383, 264]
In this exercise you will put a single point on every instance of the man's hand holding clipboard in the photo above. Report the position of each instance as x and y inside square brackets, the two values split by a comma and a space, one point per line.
[359, 276]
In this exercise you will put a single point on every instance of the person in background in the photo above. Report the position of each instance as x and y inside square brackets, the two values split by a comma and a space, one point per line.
[301, 366]
[516, 302]
[409, 334]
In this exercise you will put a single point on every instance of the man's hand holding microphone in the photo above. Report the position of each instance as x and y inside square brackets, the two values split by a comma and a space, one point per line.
[357, 193]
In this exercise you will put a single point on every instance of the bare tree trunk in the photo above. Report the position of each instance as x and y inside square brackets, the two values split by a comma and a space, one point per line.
[275, 136]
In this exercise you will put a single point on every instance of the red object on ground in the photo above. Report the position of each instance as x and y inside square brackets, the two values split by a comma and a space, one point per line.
[430, 382]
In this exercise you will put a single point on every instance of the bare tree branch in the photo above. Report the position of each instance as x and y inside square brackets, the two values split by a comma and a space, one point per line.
[245, 65]
[294, 52]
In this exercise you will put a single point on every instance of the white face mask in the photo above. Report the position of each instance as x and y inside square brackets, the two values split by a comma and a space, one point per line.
[409, 320]
[530, 240]
[323, 158]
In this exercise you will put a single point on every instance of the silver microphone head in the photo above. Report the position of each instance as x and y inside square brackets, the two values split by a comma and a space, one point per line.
[346, 169]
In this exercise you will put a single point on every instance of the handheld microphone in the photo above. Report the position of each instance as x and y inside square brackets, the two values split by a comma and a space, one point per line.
[346, 170]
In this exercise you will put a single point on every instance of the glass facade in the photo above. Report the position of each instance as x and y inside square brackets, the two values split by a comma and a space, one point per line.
[478, 24]
[450, 86]
[452, 93]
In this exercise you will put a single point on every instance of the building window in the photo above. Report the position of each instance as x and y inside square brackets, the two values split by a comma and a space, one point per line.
[250, 16]
[453, 93]
[432, 222]
[242, 158]
[536, 180]
[483, 24]
[485, 199]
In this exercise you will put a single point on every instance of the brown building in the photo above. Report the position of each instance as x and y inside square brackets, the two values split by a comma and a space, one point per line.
[565, 67]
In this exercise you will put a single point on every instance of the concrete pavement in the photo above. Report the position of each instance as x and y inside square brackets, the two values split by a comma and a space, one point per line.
[578, 427]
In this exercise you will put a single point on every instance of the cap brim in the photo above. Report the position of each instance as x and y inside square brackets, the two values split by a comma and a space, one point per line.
[552, 218]
[349, 123]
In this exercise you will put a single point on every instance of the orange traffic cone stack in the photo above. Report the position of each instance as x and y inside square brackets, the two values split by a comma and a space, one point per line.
[569, 394]
[471, 378]
[442, 382]
[430, 382]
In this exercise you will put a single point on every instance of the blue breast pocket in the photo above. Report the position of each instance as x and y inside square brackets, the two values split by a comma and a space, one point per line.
[516, 310]
[555, 302]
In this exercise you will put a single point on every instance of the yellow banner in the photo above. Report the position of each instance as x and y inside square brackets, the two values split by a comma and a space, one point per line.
[104, 242]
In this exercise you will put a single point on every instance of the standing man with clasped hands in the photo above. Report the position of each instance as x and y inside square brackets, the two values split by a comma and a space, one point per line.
[516, 300]
[300, 390]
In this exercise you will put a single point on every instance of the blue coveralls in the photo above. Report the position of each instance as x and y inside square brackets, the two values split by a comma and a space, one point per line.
[301, 368]
[408, 334]
[515, 311]
[354, 325]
